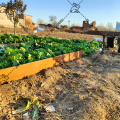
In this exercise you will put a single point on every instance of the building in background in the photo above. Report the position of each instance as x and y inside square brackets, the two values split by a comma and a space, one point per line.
[44, 26]
[117, 26]
[25, 20]
[86, 26]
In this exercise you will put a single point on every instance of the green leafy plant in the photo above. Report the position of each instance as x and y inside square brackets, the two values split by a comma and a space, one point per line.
[33, 47]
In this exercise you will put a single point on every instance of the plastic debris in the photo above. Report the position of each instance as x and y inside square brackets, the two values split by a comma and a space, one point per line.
[35, 111]
[19, 110]
[35, 31]
[98, 39]
[30, 103]
[26, 116]
[49, 108]
[100, 49]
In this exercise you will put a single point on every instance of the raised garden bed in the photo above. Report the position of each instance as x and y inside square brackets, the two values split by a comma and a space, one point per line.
[39, 53]
[18, 72]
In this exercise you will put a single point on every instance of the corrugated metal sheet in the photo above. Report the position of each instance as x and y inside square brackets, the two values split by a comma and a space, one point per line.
[117, 27]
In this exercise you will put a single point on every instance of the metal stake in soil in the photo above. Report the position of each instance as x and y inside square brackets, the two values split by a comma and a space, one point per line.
[103, 45]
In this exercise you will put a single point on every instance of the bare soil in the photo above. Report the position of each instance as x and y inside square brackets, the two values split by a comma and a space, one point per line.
[83, 89]
[57, 34]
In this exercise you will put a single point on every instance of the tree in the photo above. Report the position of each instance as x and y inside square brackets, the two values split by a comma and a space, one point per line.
[14, 11]
[101, 27]
[109, 26]
[40, 21]
[53, 19]
[64, 26]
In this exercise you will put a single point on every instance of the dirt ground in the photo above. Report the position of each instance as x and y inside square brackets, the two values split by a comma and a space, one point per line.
[83, 89]
[87, 88]
[69, 36]
[57, 34]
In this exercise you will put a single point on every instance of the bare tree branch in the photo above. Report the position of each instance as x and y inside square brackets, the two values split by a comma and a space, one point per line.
[53, 19]
[40, 21]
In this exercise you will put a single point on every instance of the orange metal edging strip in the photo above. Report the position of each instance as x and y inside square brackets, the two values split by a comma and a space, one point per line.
[18, 72]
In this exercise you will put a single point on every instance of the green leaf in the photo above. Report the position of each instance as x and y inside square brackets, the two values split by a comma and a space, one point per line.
[41, 55]
[18, 56]
[15, 62]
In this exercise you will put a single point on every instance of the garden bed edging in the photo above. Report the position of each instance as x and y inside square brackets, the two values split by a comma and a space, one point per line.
[24, 70]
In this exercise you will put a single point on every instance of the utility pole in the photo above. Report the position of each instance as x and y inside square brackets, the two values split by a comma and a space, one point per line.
[69, 24]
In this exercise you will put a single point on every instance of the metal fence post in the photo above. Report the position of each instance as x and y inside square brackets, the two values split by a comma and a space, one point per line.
[103, 44]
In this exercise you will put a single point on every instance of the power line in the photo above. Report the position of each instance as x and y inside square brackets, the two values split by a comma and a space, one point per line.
[81, 2]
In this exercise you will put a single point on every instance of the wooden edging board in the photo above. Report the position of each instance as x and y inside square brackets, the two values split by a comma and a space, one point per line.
[21, 71]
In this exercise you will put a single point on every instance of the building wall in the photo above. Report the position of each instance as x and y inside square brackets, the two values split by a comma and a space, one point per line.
[36, 25]
[28, 24]
[7, 23]
[28, 21]
[85, 25]
[77, 28]
[42, 26]
[28, 17]
[22, 21]
[4, 20]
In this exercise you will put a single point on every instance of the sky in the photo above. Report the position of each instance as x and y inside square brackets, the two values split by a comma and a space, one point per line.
[101, 11]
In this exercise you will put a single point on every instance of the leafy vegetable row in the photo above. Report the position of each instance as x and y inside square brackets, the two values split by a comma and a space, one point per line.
[32, 48]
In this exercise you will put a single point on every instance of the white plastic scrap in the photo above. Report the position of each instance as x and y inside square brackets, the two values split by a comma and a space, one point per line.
[49, 108]
[26, 116]
[98, 39]
[100, 49]
[18, 111]
[35, 31]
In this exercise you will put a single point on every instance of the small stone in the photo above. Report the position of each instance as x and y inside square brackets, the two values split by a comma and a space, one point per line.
[70, 108]
[26, 116]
